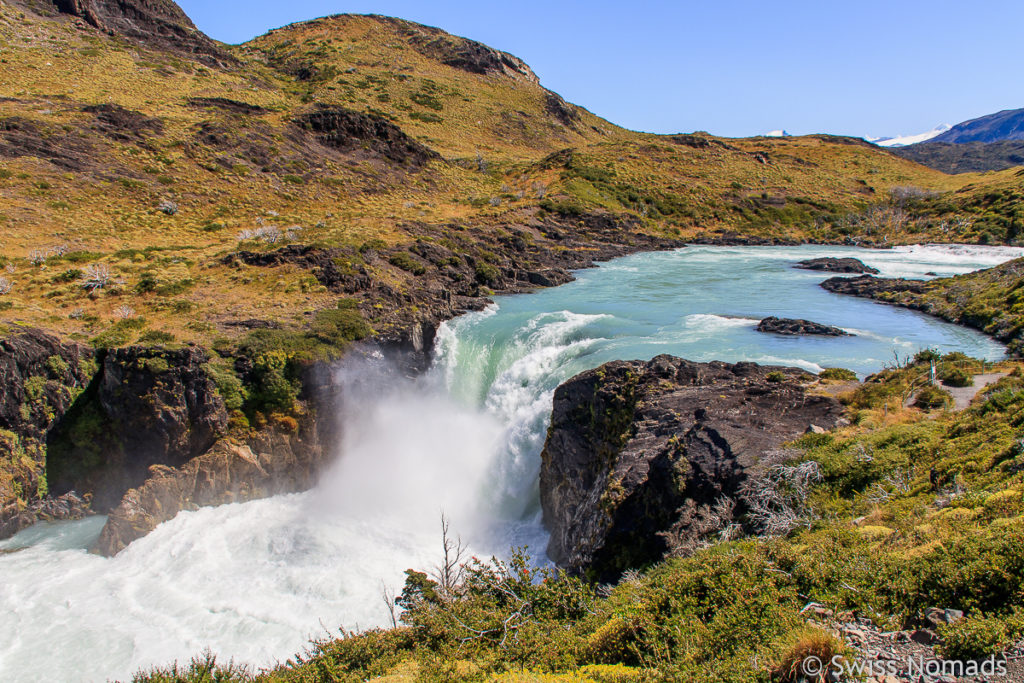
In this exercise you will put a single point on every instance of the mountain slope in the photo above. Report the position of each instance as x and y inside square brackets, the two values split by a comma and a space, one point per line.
[1004, 125]
[966, 157]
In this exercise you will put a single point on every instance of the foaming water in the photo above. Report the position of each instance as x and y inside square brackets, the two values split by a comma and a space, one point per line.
[255, 581]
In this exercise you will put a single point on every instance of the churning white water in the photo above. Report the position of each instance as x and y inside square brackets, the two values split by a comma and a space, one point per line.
[255, 581]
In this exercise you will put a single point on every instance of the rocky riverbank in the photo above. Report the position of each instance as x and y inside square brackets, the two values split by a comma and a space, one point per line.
[643, 458]
[987, 300]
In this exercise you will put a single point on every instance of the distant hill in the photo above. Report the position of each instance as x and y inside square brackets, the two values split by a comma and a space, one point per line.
[969, 157]
[1005, 125]
[989, 143]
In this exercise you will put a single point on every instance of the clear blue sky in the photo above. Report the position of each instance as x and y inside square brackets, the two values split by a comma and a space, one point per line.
[730, 67]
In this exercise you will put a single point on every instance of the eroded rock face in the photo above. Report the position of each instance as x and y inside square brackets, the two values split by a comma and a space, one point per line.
[147, 407]
[795, 326]
[229, 472]
[348, 130]
[836, 265]
[633, 444]
[158, 24]
[461, 53]
[41, 378]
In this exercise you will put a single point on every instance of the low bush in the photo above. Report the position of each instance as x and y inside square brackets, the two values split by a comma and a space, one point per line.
[838, 374]
[932, 398]
[955, 377]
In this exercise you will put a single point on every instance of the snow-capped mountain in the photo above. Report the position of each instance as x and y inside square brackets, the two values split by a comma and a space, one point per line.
[903, 140]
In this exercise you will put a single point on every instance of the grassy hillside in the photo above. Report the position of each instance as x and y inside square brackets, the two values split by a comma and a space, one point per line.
[153, 167]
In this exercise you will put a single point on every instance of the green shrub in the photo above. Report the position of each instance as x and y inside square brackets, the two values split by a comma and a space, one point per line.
[486, 274]
[341, 325]
[406, 262]
[775, 376]
[955, 377]
[840, 374]
[70, 275]
[979, 636]
[57, 367]
[156, 337]
[932, 398]
[927, 356]
[121, 333]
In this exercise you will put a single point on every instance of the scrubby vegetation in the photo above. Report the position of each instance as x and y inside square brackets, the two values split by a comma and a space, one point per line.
[911, 511]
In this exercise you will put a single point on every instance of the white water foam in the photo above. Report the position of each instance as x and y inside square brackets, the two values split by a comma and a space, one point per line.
[254, 581]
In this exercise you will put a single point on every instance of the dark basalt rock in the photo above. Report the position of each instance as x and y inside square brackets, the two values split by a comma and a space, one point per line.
[634, 444]
[873, 287]
[461, 53]
[67, 150]
[567, 114]
[60, 371]
[793, 326]
[158, 24]
[225, 104]
[41, 378]
[348, 130]
[837, 265]
[125, 125]
[146, 407]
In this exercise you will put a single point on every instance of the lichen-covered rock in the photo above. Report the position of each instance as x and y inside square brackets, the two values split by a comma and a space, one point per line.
[148, 406]
[632, 445]
[41, 378]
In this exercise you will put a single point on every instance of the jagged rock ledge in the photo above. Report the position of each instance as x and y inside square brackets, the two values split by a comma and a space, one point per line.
[637, 450]
[794, 326]
[832, 264]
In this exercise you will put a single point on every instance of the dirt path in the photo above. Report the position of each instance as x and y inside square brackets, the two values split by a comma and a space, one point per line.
[962, 396]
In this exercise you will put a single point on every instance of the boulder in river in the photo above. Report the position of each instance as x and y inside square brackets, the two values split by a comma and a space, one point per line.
[794, 326]
[636, 449]
[832, 264]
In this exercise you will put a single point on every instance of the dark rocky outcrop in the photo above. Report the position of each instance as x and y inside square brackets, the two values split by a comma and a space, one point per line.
[461, 53]
[225, 104]
[145, 407]
[837, 265]
[873, 287]
[564, 112]
[633, 445]
[795, 326]
[230, 472]
[125, 125]
[158, 24]
[236, 469]
[68, 150]
[348, 130]
[41, 378]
